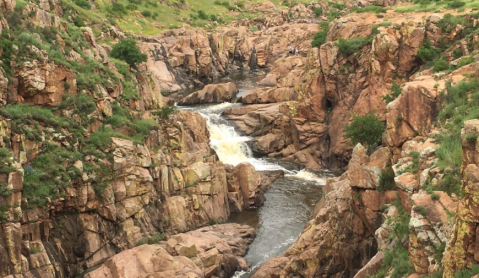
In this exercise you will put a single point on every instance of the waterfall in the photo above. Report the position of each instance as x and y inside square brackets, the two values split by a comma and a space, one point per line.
[233, 149]
[229, 146]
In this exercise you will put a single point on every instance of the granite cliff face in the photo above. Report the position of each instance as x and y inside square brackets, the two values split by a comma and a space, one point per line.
[100, 176]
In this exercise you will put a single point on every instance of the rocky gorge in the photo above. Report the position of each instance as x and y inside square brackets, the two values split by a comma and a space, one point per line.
[102, 176]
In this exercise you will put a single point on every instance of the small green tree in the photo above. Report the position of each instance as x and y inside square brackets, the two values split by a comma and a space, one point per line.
[320, 37]
[366, 129]
[440, 65]
[128, 51]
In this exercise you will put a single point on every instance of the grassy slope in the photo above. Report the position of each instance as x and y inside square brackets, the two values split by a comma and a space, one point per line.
[169, 16]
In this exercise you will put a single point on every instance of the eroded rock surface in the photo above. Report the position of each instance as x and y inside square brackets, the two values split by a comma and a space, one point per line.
[214, 251]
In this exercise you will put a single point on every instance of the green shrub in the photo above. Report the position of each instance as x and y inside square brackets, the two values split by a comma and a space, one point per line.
[146, 13]
[7, 53]
[333, 13]
[385, 23]
[434, 196]
[449, 22]
[456, 4]
[151, 3]
[467, 272]
[366, 129]
[386, 181]
[320, 37]
[395, 92]
[351, 46]
[122, 68]
[164, 112]
[465, 61]
[414, 167]
[420, 209]
[318, 11]
[202, 15]
[440, 65]
[128, 51]
[457, 53]
[427, 52]
[131, 7]
[156, 238]
[6, 165]
[118, 8]
[83, 3]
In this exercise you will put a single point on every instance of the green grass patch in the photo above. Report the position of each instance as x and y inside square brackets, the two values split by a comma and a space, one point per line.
[370, 9]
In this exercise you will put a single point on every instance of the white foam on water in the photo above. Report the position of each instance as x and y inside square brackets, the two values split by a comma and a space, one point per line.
[308, 176]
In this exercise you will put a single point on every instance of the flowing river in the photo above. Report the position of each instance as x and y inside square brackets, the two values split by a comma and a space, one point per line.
[289, 202]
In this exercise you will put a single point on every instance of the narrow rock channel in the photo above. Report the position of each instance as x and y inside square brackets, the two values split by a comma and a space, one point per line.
[288, 203]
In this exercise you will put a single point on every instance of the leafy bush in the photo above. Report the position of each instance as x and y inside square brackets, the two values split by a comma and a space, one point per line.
[351, 46]
[320, 37]
[386, 181]
[367, 130]
[420, 209]
[440, 65]
[152, 240]
[146, 13]
[318, 11]
[131, 7]
[128, 51]
[164, 112]
[395, 92]
[202, 15]
[449, 22]
[467, 272]
[118, 8]
[427, 52]
[84, 4]
[338, 6]
[456, 4]
[7, 53]
[333, 13]
[6, 165]
[457, 53]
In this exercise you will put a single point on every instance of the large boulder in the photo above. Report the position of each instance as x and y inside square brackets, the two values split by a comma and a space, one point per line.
[269, 95]
[211, 251]
[213, 93]
[44, 84]
[411, 114]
